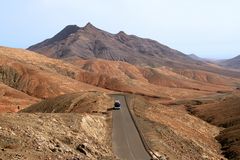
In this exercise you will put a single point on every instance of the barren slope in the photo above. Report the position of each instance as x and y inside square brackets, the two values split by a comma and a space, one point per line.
[224, 113]
[38, 75]
[207, 77]
[232, 63]
[89, 42]
[67, 131]
[12, 100]
[43, 77]
[82, 102]
[54, 136]
[161, 82]
[174, 134]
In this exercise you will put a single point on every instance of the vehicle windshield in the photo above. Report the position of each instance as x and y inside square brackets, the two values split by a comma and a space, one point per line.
[117, 104]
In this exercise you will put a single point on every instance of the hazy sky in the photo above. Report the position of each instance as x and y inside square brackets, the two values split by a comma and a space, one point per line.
[208, 28]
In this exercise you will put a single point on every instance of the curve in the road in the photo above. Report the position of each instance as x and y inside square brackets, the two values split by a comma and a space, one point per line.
[127, 143]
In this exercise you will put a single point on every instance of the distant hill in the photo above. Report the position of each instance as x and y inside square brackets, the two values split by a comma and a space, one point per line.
[232, 63]
[208, 60]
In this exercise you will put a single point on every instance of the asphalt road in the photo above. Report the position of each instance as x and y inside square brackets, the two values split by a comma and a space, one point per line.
[127, 144]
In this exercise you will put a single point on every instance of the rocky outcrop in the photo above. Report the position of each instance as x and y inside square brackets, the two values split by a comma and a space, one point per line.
[54, 136]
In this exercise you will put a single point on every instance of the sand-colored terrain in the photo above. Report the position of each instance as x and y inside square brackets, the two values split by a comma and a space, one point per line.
[54, 136]
[69, 105]
[37, 76]
[30, 72]
[174, 134]
[224, 113]
[159, 82]
[12, 100]
[82, 102]
[74, 128]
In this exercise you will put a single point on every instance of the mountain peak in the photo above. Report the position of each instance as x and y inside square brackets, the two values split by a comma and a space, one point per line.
[70, 29]
[121, 33]
[73, 26]
[64, 33]
[193, 55]
[122, 36]
[89, 26]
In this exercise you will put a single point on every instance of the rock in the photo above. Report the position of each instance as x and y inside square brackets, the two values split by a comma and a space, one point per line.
[38, 148]
[81, 148]
[53, 149]
[74, 158]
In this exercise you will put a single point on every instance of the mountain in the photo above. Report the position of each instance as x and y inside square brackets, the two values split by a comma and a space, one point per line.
[90, 42]
[232, 63]
[207, 60]
[76, 43]
[195, 57]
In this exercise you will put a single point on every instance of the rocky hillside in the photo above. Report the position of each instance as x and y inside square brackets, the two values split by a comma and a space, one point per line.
[37, 75]
[224, 112]
[42, 77]
[159, 82]
[59, 136]
[232, 63]
[90, 42]
[72, 126]
[26, 77]
[12, 100]
[83, 102]
[195, 57]
[174, 134]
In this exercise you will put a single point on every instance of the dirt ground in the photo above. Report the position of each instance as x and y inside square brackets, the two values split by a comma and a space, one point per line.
[70, 127]
[225, 113]
[27, 136]
[173, 133]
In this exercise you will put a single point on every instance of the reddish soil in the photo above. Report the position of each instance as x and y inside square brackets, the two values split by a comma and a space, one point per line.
[80, 86]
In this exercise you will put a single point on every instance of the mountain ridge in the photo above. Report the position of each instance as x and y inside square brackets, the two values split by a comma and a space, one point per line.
[232, 63]
[90, 42]
[194, 56]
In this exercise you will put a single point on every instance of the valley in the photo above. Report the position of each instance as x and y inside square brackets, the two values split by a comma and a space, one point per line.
[56, 98]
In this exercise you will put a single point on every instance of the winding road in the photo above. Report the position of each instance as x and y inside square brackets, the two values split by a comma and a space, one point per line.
[127, 144]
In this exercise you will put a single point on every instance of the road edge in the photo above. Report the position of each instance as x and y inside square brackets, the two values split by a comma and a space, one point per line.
[145, 144]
